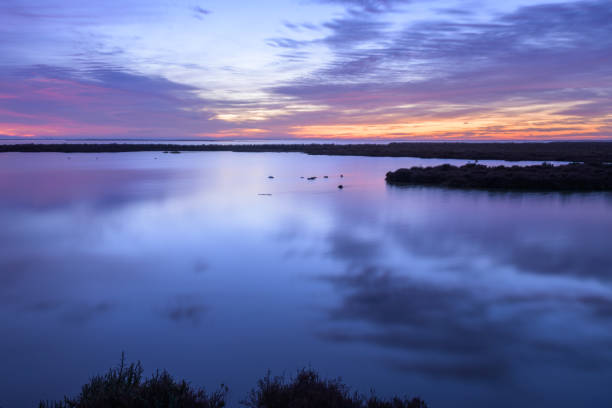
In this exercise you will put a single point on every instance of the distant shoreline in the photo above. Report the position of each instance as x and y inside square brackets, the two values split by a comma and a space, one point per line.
[543, 177]
[510, 151]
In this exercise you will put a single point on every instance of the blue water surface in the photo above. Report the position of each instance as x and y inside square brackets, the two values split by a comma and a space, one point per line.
[201, 264]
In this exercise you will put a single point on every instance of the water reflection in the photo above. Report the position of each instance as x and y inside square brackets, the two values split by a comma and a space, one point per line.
[469, 333]
[488, 299]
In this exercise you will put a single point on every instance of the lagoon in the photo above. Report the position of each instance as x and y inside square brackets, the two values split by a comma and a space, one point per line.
[201, 264]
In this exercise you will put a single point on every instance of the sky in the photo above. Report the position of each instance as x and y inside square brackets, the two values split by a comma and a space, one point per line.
[281, 69]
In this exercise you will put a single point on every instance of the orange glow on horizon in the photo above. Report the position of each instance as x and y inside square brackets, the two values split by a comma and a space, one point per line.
[520, 122]
[510, 123]
[406, 131]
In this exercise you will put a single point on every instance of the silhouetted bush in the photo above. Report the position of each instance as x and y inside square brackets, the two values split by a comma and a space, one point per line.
[543, 177]
[309, 390]
[124, 387]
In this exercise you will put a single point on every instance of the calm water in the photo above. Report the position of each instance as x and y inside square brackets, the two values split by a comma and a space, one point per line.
[465, 298]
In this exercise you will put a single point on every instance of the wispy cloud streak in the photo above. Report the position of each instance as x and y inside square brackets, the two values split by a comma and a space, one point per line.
[102, 101]
[556, 55]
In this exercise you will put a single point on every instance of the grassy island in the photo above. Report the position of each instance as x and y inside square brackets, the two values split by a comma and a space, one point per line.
[548, 151]
[544, 177]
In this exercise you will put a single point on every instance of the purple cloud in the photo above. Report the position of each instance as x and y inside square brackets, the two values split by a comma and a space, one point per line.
[369, 6]
[200, 12]
[101, 101]
[544, 54]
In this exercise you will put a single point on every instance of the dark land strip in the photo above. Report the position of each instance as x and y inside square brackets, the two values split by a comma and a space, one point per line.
[512, 151]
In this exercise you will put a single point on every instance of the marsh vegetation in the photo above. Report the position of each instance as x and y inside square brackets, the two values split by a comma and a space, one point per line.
[543, 177]
[125, 387]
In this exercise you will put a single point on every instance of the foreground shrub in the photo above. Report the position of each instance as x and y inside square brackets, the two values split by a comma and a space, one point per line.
[308, 390]
[124, 387]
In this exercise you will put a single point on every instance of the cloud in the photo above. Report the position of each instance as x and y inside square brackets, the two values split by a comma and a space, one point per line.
[185, 308]
[544, 54]
[101, 101]
[397, 68]
[200, 12]
[353, 31]
[83, 313]
[369, 6]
